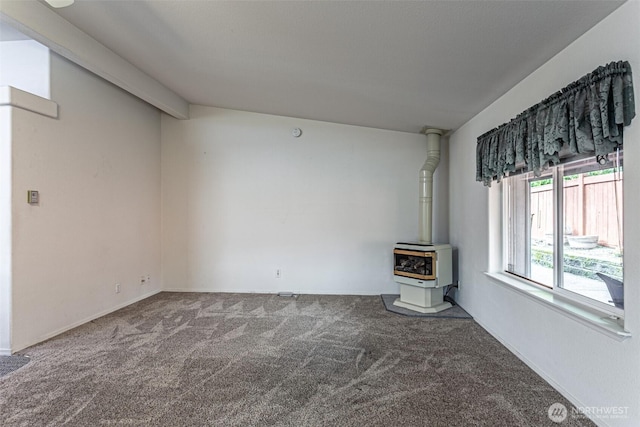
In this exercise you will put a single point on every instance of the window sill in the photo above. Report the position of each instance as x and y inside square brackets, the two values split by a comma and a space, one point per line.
[594, 319]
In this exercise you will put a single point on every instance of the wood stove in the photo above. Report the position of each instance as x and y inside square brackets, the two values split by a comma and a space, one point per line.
[422, 270]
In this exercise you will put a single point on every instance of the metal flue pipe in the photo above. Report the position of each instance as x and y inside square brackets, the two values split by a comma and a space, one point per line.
[425, 213]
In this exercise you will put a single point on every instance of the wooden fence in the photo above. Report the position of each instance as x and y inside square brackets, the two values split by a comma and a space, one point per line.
[592, 206]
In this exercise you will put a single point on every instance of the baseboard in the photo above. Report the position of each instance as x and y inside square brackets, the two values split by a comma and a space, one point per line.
[5, 352]
[570, 397]
[266, 291]
[208, 291]
[45, 337]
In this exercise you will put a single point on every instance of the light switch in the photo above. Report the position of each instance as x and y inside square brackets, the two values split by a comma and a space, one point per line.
[33, 197]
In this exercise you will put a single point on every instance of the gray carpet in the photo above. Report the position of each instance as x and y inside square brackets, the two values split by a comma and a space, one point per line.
[455, 312]
[9, 364]
[180, 359]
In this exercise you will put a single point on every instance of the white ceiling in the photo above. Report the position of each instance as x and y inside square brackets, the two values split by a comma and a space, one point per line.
[395, 65]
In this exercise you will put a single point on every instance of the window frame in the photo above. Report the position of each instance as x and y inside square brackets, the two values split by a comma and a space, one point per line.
[557, 175]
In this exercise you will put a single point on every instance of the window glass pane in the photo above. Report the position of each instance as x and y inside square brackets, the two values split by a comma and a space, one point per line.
[529, 207]
[542, 250]
[592, 217]
[517, 224]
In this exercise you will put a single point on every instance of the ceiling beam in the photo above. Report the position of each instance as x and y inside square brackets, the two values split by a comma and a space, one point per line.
[37, 21]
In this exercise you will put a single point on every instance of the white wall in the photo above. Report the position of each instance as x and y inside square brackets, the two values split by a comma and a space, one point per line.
[242, 197]
[97, 168]
[588, 367]
[24, 64]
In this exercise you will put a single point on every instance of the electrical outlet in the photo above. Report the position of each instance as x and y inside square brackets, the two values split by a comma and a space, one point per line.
[278, 273]
[117, 288]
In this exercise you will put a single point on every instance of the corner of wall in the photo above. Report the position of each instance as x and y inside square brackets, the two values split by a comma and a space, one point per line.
[5, 229]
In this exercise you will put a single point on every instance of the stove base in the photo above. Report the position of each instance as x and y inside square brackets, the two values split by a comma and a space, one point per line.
[421, 299]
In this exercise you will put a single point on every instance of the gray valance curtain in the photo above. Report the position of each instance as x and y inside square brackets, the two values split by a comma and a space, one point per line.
[587, 116]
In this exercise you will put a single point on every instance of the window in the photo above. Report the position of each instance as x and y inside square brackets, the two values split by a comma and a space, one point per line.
[564, 230]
